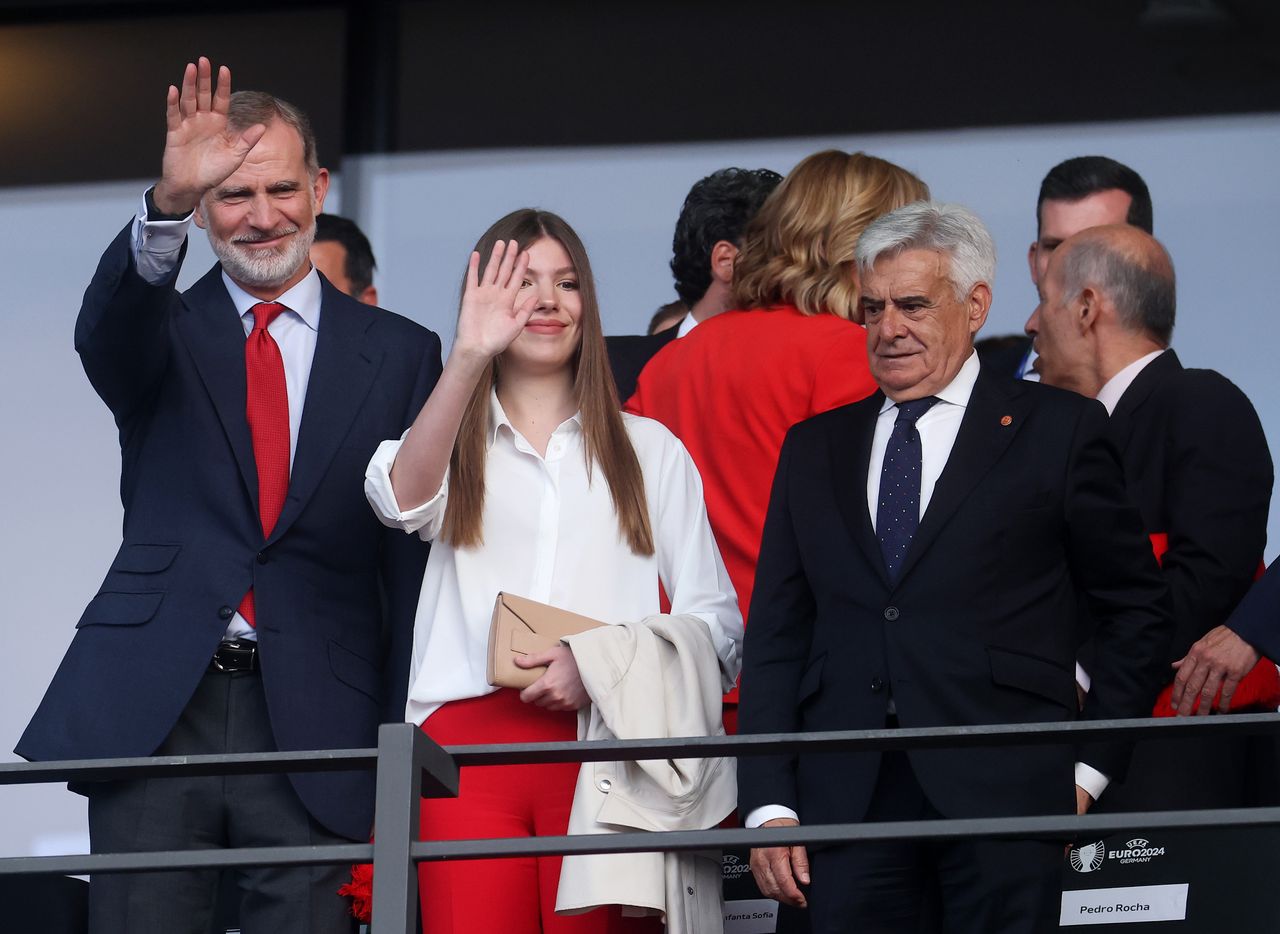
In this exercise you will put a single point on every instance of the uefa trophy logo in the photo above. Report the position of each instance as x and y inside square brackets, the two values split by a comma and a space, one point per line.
[1088, 858]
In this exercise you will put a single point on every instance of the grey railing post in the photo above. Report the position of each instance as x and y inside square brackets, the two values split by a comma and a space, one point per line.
[409, 766]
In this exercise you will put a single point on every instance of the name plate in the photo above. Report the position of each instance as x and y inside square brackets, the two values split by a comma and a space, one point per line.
[1131, 904]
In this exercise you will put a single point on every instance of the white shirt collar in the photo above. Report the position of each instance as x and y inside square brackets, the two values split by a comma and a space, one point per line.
[303, 299]
[1109, 395]
[498, 419]
[687, 324]
[956, 392]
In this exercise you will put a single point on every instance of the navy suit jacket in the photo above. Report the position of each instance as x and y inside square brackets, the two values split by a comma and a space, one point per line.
[981, 624]
[1257, 618]
[335, 591]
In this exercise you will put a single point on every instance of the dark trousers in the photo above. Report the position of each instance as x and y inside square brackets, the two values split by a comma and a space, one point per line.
[228, 713]
[965, 887]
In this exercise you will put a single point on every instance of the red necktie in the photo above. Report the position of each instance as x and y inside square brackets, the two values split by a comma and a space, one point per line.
[267, 409]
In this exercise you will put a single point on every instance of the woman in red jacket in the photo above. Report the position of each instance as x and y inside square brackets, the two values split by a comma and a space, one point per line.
[732, 387]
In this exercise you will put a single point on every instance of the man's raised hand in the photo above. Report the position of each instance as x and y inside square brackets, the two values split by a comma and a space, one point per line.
[200, 149]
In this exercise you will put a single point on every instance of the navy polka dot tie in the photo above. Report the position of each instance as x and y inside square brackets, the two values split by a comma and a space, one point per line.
[898, 513]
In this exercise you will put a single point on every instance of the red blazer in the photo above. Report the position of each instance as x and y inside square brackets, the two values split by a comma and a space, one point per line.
[730, 389]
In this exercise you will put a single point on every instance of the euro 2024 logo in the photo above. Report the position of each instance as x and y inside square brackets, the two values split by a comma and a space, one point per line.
[733, 868]
[1088, 858]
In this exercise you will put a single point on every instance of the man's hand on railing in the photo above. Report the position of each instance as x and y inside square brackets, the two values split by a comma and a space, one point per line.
[777, 869]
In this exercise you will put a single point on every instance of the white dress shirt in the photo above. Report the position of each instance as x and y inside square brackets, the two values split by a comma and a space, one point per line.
[687, 324]
[1109, 395]
[938, 428]
[156, 248]
[550, 534]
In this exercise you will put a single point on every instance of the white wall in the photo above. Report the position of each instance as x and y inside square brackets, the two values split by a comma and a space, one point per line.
[1213, 182]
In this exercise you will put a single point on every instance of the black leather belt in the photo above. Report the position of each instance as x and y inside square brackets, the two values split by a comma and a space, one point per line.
[236, 655]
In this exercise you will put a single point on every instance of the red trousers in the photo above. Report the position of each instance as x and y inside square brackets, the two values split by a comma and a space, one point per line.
[515, 895]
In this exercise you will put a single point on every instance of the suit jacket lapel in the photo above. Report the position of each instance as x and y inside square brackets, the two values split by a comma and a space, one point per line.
[981, 441]
[214, 336]
[850, 448]
[342, 372]
[1144, 384]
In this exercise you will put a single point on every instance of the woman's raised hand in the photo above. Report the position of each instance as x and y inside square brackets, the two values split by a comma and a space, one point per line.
[493, 311]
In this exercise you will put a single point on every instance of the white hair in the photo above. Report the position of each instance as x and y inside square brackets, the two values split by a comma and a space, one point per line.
[931, 225]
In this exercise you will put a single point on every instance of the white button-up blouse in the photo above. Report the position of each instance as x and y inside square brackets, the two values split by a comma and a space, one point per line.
[550, 534]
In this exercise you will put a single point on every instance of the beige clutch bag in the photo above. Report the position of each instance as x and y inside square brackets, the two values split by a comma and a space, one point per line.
[521, 626]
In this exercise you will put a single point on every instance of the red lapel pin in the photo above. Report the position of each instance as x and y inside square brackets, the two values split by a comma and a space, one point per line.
[1006, 420]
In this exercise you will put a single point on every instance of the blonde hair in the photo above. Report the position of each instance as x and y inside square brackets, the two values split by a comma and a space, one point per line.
[799, 248]
[605, 439]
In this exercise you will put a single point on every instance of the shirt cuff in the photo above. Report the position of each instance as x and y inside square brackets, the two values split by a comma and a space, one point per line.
[157, 244]
[426, 519]
[1082, 678]
[1091, 780]
[768, 812]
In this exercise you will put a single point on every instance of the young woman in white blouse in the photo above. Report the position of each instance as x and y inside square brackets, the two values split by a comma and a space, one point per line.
[528, 479]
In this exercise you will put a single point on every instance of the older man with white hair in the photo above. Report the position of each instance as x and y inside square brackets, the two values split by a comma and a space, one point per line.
[921, 564]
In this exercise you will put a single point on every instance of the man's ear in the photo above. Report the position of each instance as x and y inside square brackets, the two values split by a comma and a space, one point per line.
[1088, 309]
[977, 305]
[320, 188]
[201, 221]
[1032, 252]
[723, 254]
[369, 296]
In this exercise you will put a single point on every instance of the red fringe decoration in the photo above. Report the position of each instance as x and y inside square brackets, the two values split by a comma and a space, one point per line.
[360, 891]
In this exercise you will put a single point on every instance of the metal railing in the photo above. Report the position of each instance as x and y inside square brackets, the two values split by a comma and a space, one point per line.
[409, 766]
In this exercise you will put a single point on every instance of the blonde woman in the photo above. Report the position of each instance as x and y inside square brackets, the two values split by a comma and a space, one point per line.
[732, 387]
[528, 479]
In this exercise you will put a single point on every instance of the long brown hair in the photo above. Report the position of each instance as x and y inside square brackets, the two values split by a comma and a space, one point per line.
[799, 248]
[605, 439]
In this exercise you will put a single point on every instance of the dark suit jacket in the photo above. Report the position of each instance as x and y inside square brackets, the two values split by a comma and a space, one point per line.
[335, 591]
[629, 353]
[980, 627]
[1197, 464]
[1003, 355]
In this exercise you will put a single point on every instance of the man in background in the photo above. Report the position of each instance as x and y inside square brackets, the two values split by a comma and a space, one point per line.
[1086, 191]
[706, 242]
[667, 316]
[1195, 461]
[343, 255]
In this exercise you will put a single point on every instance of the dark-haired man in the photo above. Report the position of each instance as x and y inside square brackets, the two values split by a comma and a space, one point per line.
[1078, 193]
[708, 234]
[343, 255]
[1195, 460]
[255, 603]
[1087, 191]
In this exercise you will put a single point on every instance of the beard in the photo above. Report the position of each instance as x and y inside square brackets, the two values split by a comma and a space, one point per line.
[265, 268]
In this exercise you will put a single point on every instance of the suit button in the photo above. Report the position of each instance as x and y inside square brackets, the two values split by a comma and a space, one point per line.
[262, 557]
[604, 785]
[876, 685]
[226, 613]
[891, 613]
